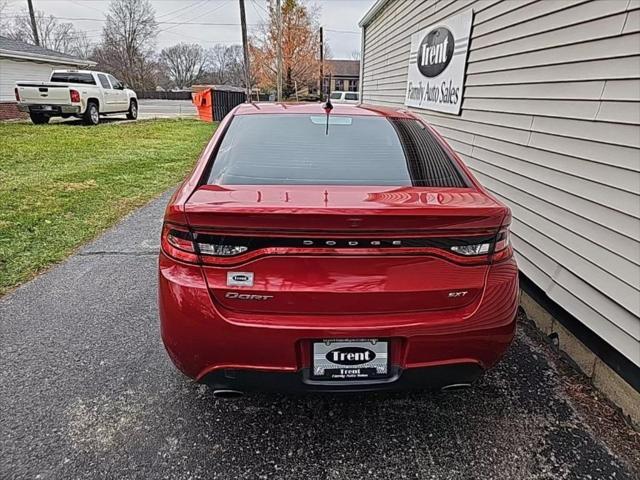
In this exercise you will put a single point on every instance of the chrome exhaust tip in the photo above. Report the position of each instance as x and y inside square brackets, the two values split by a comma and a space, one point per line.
[455, 387]
[228, 394]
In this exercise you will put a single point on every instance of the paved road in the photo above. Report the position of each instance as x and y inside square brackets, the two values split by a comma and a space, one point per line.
[148, 109]
[87, 392]
[166, 108]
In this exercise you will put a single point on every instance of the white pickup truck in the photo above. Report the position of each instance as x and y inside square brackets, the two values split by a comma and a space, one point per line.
[76, 93]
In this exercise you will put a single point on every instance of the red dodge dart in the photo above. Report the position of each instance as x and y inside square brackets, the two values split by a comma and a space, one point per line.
[327, 250]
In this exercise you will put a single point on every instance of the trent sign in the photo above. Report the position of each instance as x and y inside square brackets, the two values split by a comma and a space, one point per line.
[437, 62]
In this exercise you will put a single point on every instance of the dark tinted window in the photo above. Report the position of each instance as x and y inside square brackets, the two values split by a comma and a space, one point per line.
[73, 77]
[351, 96]
[359, 150]
[103, 81]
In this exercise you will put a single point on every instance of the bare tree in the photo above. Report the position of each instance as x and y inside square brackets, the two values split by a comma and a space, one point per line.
[4, 23]
[355, 55]
[128, 41]
[184, 63]
[54, 35]
[225, 65]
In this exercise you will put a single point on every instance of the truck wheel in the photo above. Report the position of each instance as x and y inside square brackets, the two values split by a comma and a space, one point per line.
[91, 114]
[39, 118]
[132, 114]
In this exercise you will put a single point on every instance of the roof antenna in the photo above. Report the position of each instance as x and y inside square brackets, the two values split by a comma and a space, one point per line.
[328, 106]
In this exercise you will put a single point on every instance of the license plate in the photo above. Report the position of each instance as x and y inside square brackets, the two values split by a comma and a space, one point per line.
[47, 107]
[356, 359]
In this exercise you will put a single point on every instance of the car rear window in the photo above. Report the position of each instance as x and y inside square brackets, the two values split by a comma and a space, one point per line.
[282, 149]
[73, 77]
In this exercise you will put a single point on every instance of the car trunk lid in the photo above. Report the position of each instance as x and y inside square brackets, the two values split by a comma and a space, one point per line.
[342, 250]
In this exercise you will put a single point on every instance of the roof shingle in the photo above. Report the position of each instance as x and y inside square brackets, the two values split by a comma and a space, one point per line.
[343, 68]
[18, 47]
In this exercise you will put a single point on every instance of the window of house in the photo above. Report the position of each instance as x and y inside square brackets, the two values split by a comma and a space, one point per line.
[353, 85]
[340, 85]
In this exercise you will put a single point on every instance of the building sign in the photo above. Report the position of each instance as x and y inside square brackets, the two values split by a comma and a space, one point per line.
[437, 62]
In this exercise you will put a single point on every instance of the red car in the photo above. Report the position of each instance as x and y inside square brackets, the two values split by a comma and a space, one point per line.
[334, 252]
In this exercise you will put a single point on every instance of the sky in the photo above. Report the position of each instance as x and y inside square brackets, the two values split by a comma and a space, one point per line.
[338, 17]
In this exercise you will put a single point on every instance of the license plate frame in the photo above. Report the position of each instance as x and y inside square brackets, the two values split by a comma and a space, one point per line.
[351, 364]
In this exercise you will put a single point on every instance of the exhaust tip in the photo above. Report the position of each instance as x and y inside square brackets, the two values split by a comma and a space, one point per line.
[227, 394]
[455, 387]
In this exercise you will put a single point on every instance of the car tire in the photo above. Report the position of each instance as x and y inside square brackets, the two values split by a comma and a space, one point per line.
[91, 115]
[132, 113]
[39, 118]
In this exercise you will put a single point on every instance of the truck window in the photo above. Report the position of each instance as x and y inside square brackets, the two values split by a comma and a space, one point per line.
[103, 81]
[115, 83]
[73, 77]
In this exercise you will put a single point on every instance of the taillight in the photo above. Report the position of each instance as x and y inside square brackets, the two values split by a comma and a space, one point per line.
[218, 250]
[17, 94]
[75, 96]
[503, 249]
[499, 248]
[177, 242]
[472, 250]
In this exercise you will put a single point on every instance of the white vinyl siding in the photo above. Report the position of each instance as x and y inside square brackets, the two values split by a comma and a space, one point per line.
[12, 71]
[550, 124]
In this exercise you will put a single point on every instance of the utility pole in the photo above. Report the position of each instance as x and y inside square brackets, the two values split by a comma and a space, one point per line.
[321, 64]
[279, 51]
[34, 27]
[245, 47]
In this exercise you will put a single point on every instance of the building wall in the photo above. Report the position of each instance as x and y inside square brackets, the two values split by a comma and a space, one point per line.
[12, 70]
[550, 123]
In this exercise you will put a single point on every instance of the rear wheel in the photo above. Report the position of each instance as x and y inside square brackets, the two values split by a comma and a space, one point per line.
[132, 114]
[91, 115]
[39, 118]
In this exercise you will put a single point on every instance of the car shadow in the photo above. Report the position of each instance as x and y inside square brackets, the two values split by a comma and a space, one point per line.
[79, 121]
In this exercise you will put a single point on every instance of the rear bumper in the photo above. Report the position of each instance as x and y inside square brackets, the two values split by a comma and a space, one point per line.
[51, 110]
[434, 377]
[424, 351]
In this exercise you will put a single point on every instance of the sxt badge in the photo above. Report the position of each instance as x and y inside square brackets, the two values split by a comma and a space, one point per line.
[239, 279]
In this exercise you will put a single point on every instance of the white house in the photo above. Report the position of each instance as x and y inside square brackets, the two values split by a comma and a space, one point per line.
[541, 99]
[23, 61]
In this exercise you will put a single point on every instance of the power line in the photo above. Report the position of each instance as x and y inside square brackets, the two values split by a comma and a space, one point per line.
[183, 9]
[201, 14]
[255, 6]
[88, 19]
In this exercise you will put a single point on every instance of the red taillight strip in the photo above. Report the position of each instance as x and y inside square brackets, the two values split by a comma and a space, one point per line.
[177, 247]
[502, 250]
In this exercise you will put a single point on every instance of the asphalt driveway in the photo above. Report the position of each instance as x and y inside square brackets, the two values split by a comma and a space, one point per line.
[87, 392]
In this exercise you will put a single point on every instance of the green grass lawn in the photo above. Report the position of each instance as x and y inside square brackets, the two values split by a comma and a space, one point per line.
[61, 185]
